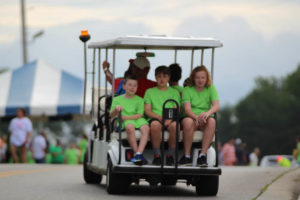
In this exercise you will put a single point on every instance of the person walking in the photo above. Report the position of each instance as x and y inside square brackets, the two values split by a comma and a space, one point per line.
[229, 153]
[20, 129]
[3, 147]
[254, 157]
[39, 148]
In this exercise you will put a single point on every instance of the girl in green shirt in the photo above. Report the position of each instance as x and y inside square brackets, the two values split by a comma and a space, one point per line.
[200, 100]
[132, 107]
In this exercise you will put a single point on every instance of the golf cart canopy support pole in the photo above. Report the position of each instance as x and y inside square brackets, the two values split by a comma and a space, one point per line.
[113, 77]
[212, 63]
[175, 56]
[202, 54]
[93, 82]
[85, 77]
[192, 60]
[106, 56]
[99, 71]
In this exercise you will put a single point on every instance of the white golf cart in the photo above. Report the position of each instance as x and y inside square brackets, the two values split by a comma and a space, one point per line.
[109, 152]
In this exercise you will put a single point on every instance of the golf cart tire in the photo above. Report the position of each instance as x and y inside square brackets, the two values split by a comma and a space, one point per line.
[89, 176]
[207, 186]
[116, 183]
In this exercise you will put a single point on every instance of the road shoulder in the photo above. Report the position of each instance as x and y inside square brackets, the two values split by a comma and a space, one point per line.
[286, 187]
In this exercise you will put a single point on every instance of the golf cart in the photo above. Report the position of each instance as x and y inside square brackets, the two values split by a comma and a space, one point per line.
[108, 150]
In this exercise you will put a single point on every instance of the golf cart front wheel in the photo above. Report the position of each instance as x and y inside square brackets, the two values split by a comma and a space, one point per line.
[116, 183]
[89, 176]
[207, 186]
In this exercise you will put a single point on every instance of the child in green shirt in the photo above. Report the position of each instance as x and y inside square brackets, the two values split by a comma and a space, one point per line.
[132, 107]
[175, 71]
[72, 155]
[154, 100]
[200, 100]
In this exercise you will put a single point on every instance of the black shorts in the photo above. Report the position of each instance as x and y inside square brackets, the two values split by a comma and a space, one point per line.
[155, 119]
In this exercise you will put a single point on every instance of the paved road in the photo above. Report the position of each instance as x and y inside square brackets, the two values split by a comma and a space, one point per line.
[65, 182]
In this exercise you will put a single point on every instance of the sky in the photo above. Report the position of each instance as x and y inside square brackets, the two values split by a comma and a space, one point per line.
[260, 37]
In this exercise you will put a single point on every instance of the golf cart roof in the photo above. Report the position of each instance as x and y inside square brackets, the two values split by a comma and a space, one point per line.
[157, 42]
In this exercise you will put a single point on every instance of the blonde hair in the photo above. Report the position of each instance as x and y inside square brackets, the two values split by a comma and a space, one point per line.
[199, 69]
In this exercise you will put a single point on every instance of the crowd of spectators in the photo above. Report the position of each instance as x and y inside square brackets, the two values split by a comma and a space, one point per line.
[234, 152]
[39, 150]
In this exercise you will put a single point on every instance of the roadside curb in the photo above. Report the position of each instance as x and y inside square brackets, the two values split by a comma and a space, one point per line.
[284, 186]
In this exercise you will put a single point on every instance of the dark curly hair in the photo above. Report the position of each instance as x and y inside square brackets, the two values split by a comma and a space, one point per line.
[175, 71]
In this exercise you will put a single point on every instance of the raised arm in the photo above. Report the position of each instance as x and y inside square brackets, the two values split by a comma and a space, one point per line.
[116, 111]
[108, 74]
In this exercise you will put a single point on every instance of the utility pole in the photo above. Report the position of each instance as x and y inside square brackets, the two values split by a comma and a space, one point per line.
[24, 42]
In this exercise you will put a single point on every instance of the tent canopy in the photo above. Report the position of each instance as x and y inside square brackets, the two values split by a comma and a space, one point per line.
[40, 89]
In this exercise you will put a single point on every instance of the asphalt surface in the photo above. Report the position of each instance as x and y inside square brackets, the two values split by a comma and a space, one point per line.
[66, 182]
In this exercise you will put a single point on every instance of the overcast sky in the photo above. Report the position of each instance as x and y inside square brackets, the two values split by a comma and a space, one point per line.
[261, 38]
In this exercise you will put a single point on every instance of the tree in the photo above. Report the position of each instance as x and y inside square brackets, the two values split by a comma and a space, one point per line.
[267, 116]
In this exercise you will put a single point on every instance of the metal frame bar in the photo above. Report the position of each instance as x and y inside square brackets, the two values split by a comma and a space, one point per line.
[212, 63]
[175, 56]
[93, 82]
[85, 77]
[120, 134]
[202, 56]
[99, 72]
[162, 146]
[106, 56]
[216, 141]
[113, 77]
[192, 59]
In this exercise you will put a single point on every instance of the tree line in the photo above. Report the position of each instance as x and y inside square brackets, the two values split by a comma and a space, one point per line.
[268, 117]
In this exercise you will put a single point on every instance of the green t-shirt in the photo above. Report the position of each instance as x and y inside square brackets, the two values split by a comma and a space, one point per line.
[83, 146]
[56, 154]
[178, 88]
[298, 157]
[157, 97]
[200, 101]
[71, 156]
[132, 106]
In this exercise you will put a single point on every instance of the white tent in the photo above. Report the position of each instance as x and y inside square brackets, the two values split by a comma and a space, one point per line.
[41, 89]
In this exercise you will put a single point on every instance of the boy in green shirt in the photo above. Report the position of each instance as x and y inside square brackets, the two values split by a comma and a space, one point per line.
[154, 100]
[175, 76]
[132, 107]
[200, 101]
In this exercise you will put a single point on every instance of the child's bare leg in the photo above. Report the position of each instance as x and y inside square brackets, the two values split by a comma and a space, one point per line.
[208, 134]
[155, 129]
[188, 134]
[144, 138]
[131, 137]
[172, 132]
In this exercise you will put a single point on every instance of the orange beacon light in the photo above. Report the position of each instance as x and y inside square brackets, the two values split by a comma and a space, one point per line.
[84, 36]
